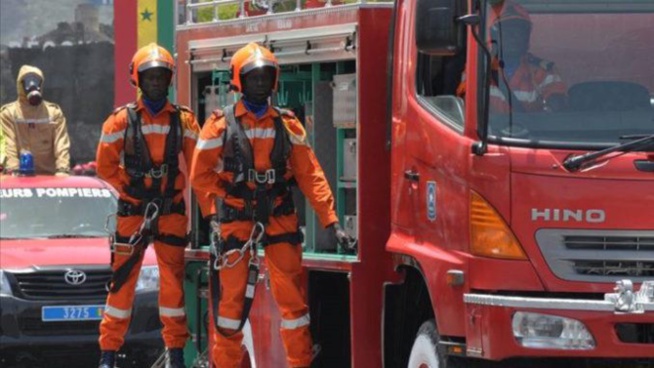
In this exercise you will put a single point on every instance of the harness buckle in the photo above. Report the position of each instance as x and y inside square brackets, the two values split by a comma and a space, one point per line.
[123, 249]
[266, 177]
[158, 173]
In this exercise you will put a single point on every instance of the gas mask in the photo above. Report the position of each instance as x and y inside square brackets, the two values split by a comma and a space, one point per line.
[32, 87]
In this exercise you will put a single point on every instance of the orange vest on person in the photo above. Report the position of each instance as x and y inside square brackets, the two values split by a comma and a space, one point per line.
[209, 165]
[110, 155]
[532, 83]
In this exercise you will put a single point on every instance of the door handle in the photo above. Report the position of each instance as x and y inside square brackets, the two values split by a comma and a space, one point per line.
[412, 175]
[643, 165]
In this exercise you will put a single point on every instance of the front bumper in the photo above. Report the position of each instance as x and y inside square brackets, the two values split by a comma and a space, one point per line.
[489, 332]
[24, 336]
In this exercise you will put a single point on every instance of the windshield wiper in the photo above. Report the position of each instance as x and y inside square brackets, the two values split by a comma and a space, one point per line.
[72, 236]
[577, 162]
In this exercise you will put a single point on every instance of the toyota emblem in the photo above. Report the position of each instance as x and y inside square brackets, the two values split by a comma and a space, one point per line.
[75, 277]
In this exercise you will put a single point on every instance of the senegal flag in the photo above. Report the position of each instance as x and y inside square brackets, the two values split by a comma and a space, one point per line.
[137, 23]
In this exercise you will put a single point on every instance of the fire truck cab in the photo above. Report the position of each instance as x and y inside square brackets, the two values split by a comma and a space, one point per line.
[493, 224]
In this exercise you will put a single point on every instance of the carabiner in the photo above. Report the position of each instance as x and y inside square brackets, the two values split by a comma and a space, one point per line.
[227, 263]
[258, 230]
[155, 213]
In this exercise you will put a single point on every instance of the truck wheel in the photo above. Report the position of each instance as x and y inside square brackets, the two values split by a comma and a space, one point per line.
[425, 352]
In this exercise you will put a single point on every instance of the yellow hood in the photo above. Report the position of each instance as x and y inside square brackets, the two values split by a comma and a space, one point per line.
[24, 70]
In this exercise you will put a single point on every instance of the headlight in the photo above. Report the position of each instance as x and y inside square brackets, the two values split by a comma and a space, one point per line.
[5, 288]
[148, 279]
[544, 331]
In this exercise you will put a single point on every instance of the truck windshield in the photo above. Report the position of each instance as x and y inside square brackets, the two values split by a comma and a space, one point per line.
[570, 74]
[28, 213]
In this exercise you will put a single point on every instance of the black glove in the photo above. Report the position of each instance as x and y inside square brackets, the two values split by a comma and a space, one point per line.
[341, 236]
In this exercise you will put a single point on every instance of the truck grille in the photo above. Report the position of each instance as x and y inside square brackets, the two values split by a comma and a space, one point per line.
[50, 284]
[635, 333]
[598, 255]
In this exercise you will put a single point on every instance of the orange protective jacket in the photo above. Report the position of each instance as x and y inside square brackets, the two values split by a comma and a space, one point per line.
[154, 128]
[533, 82]
[208, 176]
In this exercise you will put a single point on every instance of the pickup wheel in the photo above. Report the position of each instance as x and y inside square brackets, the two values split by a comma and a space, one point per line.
[426, 353]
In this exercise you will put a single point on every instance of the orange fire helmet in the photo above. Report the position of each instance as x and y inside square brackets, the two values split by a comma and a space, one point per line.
[248, 58]
[148, 57]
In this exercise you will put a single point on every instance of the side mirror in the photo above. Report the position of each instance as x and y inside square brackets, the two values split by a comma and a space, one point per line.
[438, 31]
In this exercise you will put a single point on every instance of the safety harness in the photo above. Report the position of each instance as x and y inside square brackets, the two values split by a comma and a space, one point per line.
[154, 202]
[259, 205]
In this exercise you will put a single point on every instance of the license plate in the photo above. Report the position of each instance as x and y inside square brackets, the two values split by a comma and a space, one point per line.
[72, 313]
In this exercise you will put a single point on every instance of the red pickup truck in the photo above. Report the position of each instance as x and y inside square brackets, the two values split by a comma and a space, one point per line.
[54, 264]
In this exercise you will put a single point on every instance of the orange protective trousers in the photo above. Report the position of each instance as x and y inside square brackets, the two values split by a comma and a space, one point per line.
[170, 259]
[284, 264]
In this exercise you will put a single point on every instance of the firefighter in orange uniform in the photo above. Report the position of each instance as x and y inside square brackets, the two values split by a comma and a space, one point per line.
[138, 155]
[520, 80]
[247, 156]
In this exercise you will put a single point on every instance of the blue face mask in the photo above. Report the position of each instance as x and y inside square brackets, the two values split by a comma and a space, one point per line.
[510, 68]
[154, 106]
[257, 109]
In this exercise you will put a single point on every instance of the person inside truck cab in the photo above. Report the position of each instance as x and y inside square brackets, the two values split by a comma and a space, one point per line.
[248, 155]
[520, 81]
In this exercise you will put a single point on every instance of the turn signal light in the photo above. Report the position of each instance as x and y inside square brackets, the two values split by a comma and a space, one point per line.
[490, 236]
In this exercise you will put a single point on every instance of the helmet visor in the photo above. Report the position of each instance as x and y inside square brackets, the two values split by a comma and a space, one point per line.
[258, 63]
[155, 64]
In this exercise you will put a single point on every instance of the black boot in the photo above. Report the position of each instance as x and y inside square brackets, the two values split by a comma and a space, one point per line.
[107, 359]
[175, 358]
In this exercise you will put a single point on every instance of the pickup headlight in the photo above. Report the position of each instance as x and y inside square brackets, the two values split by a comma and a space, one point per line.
[5, 288]
[148, 279]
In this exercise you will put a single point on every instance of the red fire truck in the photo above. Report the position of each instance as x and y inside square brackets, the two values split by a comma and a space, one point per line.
[485, 235]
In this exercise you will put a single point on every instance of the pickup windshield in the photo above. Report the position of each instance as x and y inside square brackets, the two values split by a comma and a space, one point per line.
[570, 74]
[28, 213]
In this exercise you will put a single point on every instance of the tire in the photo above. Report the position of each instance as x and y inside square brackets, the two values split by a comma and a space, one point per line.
[425, 352]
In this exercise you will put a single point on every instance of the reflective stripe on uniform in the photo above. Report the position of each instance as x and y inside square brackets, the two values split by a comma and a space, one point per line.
[551, 78]
[219, 166]
[495, 92]
[260, 133]
[207, 144]
[33, 121]
[526, 96]
[113, 137]
[290, 324]
[155, 129]
[191, 134]
[117, 312]
[172, 312]
[297, 141]
[229, 323]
